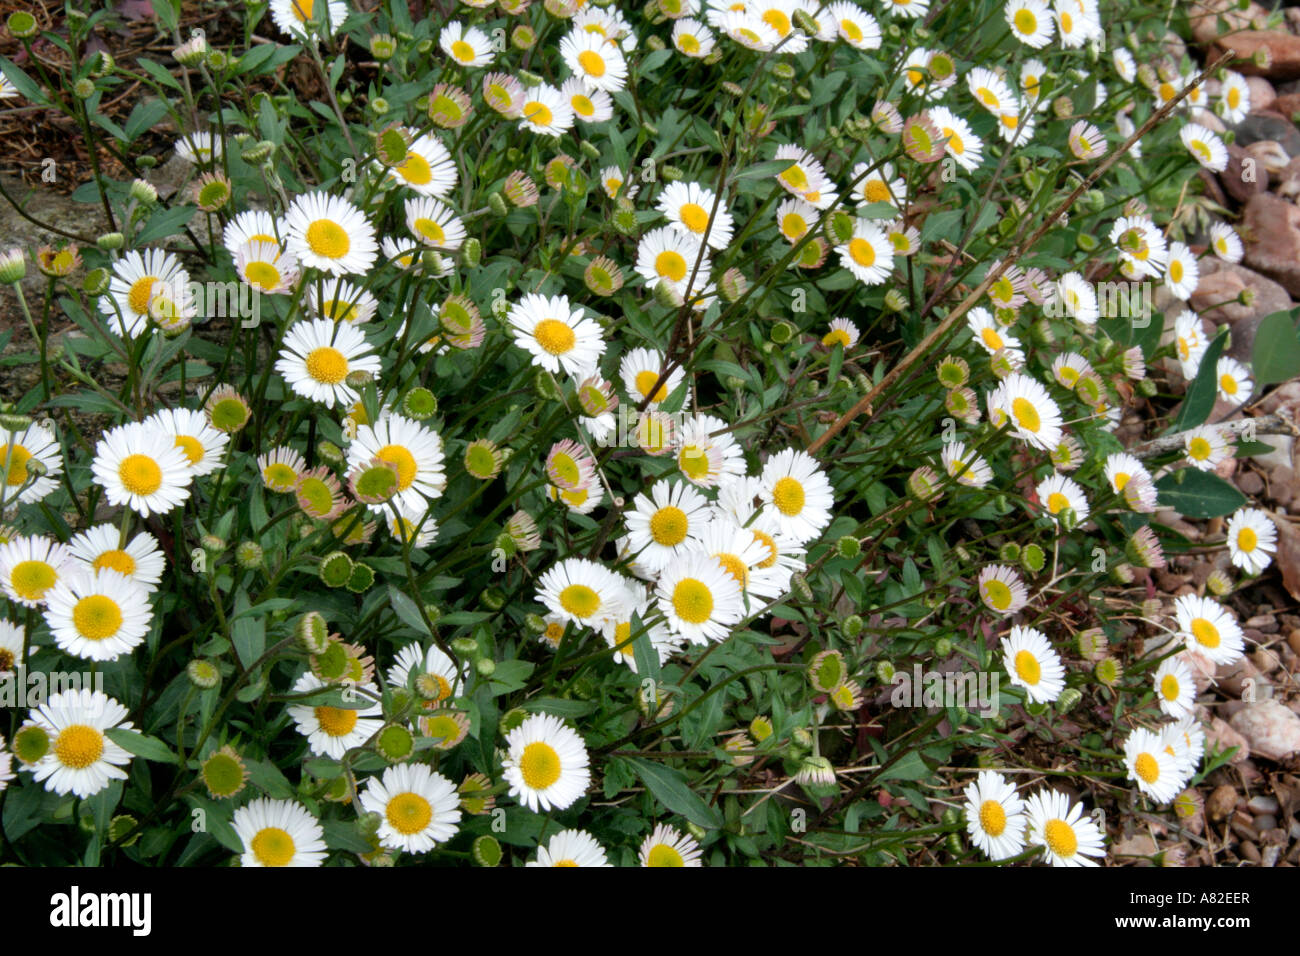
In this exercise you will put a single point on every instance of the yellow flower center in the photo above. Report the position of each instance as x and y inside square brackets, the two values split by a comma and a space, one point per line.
[735, 567]
[1027, 667]
[1228, 384]
[408, 813]
[836, 335]
[998, 594]
[328, 239]
[400, 456]
[580, 600]
[430, 230]
[192, 447]
[862, 252]
[671, 265]
[694, 217]
[78, 746]
[336, 721]
[993, 819]
[795, 177]
[592, 63]
[991, 338]
[1121, 479]
[851, 30]
[462, 51]
[97, 617]
[663, 855]
[1147, 768]
[554, 336]
[18, 458]
[693, 601]
[1057, 502]
[262, 274]
[271, 845]
[778, 21]
[539, 114]
[327, 365]
[668, 526]
[539, 765]
[793, 226]
[140, 474]
[140, 294]
[1060, 838]
[582, 105]
[766, 540]
[1206, 634]
[1169, 688]
[1026, 415]
[31, 579]
[1198, 448]
[687, 43]
[646, 380]
[1026, 22]
[788, 496]
[279, 476]
[1247, 539]
[693, 461]
[415, 169]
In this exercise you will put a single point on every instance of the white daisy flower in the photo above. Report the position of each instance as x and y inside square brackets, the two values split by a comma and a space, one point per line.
[1069, 367]
[546, 111]
[1225, 242]
[1182, 274]
[699, 598]
[667, 255]
[250, 226]
[598, 64]
[413, 448]
[662, 523]
[558, 336]
[1252, 539]
[1190, 341]
[1206, 446]
[689, 207]
[143, 285]
[1057, 493]
[882, 184]
[98, 616]
[30, 566]
[434, 224]
[1140, 244]
[746, 28]
[692, 38]
[469, 46]
[1124, 63]
[419, 808]
[1234, 98]
[12, 641]
[427, 167]
[667, 847]
[199, 148]
[962, 143]
[333, 731]
[1002, 590]
[293, 17]
[1185, 742]
[279, 832]
[1121, 468]
[266, 268]
[1209, 628]
[581, 591]
[1077, 298]
[203, 445]
[991, 91]
[1033, 664]
[843, 333]
[588, 105]
[797, 493]
[141, 466]
[989, 334]
[995, 816]
[340, 301]
[1235, 383]
[1067, 837]
[329, 233]
[317, 357]
[1033, 416]
[1206, 146]
[747, 558]
[854, 25]
[1031, 22]
[81, 759]
[868, 254]
[1150, 766]
[99, 548]
[571, 848]
[1175, 687]
[18, 482]
[964, 466]
[706, 451]
[546, 765]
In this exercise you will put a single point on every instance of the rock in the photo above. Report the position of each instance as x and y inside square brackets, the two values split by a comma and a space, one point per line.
[1262, 95]
[1249, 483]
[1287, 104]
[1283, 487]
[1201, 666]
[1208, 119]
[1269, 155]
[1293, 639]
[1261, 804]
[1204, 17]
[1242, 178]
[1286, 183]
[1281, 49]
[1280, 456]
[1272, 239]
[1268, 126]
[1224, 738]
[1222, 281]
[1221, 802]
[1272, 731]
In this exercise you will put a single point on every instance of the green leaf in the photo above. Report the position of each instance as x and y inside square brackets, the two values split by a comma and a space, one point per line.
[406, 609]
[1275, 356]
[1198, 494]
[909, 767]
[669, 787]
[1200, 394]
[23, 83]
[133, 742]
[165, 223]
[247, 633]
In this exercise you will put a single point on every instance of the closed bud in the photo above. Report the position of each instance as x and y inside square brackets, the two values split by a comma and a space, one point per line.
[942, 647]
[497, 203]
[1068, 700]
[110, 241]
[84, 88]
[799, 585]
[782, 332]
[852, 626]
[485, 666]
[492, 598]
[848, 547]
[671, 173]
[471, 252]
[895, 300]
[885, 672]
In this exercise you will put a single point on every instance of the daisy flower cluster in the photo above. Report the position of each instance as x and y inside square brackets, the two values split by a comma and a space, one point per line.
[580, 417]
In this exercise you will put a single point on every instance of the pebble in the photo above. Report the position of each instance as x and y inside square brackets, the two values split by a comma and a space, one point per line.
[1262, 803]
[1266, 821]
[1221, 803]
